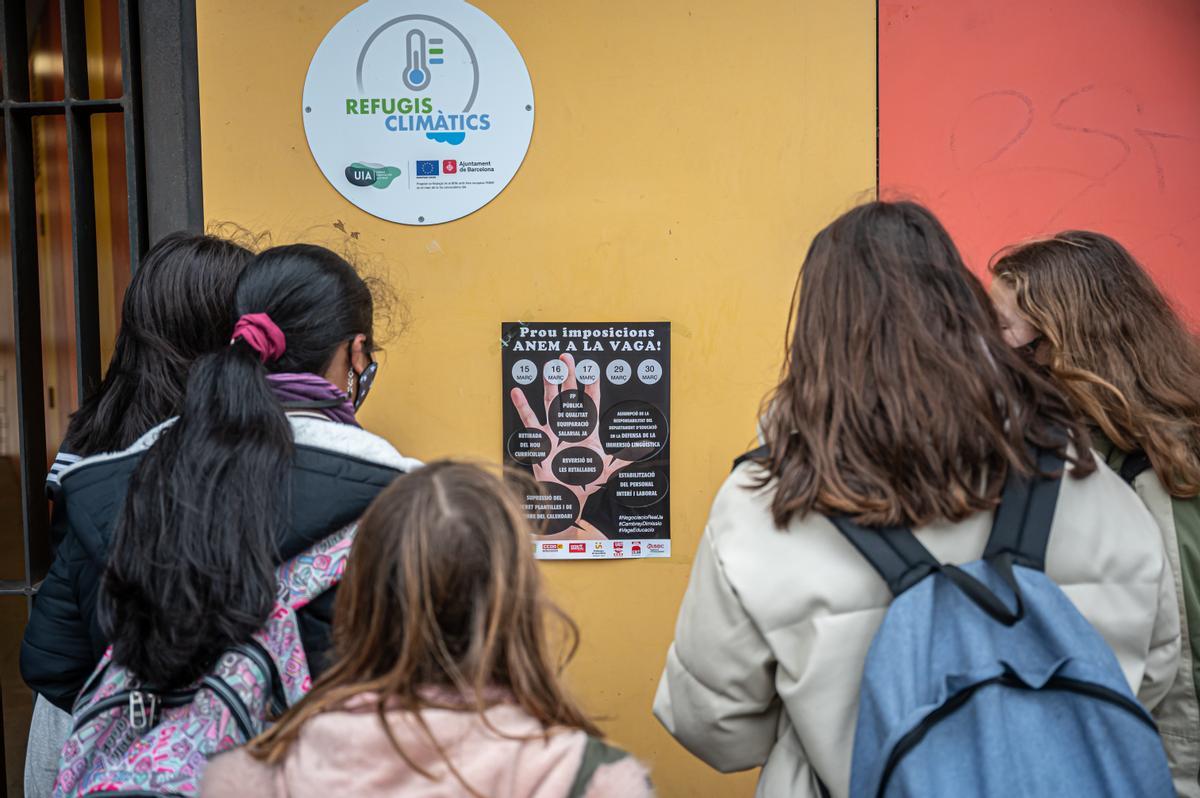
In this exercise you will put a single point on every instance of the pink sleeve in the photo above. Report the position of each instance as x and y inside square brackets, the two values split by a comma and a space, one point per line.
[236, 773]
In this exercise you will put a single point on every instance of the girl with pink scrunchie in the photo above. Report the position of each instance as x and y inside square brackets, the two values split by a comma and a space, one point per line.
[177, 537]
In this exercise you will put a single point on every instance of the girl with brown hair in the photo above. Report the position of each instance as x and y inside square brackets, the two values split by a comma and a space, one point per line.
[443, 681]
[1127, 363]
[899, 405]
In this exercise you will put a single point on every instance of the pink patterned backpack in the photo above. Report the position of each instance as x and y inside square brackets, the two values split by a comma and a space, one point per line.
[128, 740]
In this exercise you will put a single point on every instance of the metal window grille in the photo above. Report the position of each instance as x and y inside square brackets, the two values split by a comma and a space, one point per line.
[162, 179]
[77, 108]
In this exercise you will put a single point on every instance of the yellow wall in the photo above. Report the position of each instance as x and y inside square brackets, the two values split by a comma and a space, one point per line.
[683, 155]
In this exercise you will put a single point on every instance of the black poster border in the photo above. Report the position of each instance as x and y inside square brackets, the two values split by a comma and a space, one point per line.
[603, 471]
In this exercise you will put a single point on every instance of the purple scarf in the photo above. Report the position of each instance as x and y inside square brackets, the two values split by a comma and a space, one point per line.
[310, 392]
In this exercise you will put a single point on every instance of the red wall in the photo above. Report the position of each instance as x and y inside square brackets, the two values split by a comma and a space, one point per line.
[1024, 117]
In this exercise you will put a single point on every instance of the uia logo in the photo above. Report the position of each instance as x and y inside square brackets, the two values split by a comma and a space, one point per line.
[371, 174]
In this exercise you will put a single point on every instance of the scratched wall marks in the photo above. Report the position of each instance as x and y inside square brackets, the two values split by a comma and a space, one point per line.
[1023, 118]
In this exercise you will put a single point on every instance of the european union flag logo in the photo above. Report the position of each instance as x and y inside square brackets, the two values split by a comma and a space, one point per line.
[428, 168]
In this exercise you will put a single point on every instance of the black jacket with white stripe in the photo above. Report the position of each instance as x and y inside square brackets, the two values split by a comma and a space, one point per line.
[337, 470]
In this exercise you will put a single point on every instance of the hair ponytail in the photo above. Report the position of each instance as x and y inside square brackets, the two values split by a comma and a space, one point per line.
[191, 567]
[199, 526]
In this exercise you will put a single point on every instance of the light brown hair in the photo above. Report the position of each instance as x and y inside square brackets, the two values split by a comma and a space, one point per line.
[441, 590]
[899, 401]
[1123, 357]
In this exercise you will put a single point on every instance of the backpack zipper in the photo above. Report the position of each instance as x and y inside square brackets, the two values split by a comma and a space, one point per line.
[176, 698]
[1104, 694]
[237, 707]
[918, 732]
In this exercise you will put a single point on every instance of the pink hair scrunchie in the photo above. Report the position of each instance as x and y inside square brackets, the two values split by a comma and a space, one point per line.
[262, 334]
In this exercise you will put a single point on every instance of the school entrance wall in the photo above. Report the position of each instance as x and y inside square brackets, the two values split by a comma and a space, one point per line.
[683, 155]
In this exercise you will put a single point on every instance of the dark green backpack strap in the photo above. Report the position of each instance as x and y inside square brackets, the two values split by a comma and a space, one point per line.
[1129, 465]
[595, 754]
[1136, 463]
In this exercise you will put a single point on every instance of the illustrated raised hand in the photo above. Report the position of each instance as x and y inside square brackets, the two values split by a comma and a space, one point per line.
[580, 530]
[543, 471]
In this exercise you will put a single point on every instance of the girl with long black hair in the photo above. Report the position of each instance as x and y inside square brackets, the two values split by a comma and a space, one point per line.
[178, 306]
[172, 543]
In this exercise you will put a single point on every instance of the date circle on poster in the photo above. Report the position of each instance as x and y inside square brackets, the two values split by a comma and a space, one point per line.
[555, 372]
[572, 416]
[524, 372]
[528, 446]
[633, 430]
[618, 372]
[587, 372]
[649, 371]
[416, 111]
[577, 465]
[639, 486]
[552, 511]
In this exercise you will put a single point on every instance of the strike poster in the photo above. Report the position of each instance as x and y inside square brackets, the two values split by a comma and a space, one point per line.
[587, 412]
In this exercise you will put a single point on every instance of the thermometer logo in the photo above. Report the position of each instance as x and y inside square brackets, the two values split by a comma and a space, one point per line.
[421, 54]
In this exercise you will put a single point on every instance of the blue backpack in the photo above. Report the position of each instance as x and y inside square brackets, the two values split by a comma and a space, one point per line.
[985, 680]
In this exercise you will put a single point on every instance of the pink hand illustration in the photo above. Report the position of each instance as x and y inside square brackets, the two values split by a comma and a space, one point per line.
[542, 471]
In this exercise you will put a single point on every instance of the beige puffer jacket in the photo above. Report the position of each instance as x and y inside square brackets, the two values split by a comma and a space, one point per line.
[775, 625]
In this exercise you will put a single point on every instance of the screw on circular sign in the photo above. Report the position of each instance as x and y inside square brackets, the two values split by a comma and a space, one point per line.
[431, 88]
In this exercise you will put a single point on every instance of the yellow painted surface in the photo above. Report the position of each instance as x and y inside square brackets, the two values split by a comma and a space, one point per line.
[684, 153]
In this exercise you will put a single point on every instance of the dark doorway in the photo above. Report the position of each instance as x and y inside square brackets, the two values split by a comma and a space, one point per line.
[101, 156]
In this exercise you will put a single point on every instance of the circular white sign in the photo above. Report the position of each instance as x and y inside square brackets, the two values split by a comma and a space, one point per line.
[418, 111]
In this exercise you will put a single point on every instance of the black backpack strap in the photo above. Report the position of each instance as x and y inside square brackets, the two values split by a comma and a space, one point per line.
[1020, 533]
[1021, 528]
[898, 557]
[894, 552]
[1136, 463]
[753, 454]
